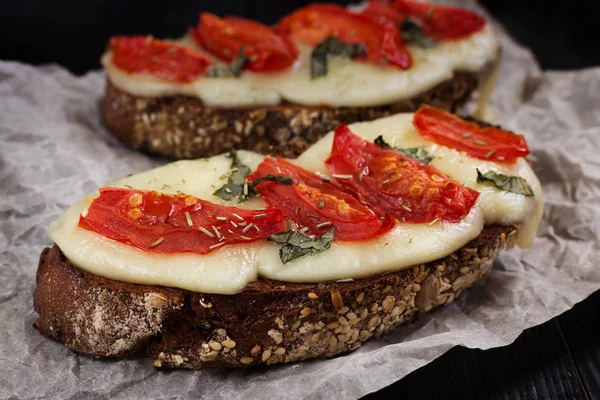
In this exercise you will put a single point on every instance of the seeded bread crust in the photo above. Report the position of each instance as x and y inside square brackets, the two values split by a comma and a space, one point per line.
[182, 127]
[268, 322]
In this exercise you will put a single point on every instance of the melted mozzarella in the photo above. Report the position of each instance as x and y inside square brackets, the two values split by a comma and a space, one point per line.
[348, 83]
[499, 207]
[230, 268]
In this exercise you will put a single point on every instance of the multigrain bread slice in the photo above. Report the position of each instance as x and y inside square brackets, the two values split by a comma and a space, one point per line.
[268, 322]
[182, 127]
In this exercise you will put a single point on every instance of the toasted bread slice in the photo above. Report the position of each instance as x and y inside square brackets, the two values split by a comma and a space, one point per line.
[268, 322]
[182, 127]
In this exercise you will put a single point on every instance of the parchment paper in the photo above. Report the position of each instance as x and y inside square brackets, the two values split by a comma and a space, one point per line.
[54, 150]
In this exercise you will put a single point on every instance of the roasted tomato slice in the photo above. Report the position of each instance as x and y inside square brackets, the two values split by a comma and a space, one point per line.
[488, 143]
[144, 54]
[394, 184]
[318, 205]
[315, 23]
[383, 12]
[224, 37]
[441, 22]
[165, 223]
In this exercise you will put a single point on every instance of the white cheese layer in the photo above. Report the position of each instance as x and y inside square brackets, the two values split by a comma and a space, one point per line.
[347, 83]
[230, 268]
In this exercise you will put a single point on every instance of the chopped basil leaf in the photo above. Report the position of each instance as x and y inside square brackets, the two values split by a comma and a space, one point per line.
[234, 69]
[252, 192]
[412, 32]
[238, 187]
[380, 142]
[236, 180]
[334, 47]
[513, 184]
[296, 244]
[416, 153]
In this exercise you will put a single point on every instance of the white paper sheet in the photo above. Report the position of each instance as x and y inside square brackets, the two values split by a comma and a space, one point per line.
[54, 149]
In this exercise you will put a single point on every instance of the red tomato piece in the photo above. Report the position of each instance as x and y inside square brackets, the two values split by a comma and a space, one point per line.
[224, 37]
[315, 23]
[144, 54]
[442, 22]
[489, 143]
[165, 223]
[316, 204]
[394, 184]
[382, 12]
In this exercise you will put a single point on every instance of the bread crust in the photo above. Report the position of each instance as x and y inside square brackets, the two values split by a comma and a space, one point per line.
[182, 127]
[268, 322]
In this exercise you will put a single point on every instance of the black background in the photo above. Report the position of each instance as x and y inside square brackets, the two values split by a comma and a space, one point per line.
[557, 360]
[73, 33]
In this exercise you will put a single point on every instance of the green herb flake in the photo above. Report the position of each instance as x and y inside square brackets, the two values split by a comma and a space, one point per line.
[332, 46]
[416, 153]
[513, 184]
[234, 69]
[296, 244]
[236, 179]
[412, 32]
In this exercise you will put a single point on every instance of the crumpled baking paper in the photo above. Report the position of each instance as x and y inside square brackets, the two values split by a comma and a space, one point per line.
[54, 150]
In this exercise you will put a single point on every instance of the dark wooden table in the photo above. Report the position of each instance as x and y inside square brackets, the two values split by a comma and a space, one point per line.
[557, 360]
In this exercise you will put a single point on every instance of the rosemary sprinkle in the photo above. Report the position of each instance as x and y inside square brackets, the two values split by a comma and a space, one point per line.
[321, 203]
[247, 228]
[188, 218]
[258, 216]
[491, 153]
[245, 237]
[238, 217]
[214, 246]
[208, 233]
[480, 142]
[434, 221]
[407, 208]
[342, 176]
[323, 224]
[221, 218]
[216, 231]
[157, 242]
[233, 224]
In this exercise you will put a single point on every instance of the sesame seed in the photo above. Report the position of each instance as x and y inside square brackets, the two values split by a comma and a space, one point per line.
[246, 360]
[233, 224]
[188, 218]
[434, 221]
[342, 176]
[238, 217]
[208, 233]
[491, 153]
[305, 312]
[157, 242]
[221, 218]
[215, 346]
[279, 351]
[323, 224]
[480, 142]
[258, 216]
[245, 237]
[216, 231]
[321, 203]
[246, 229]
[312, 296]
[407, 208]
[229, 343]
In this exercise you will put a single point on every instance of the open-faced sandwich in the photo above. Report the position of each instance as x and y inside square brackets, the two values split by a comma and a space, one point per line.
[241, 259]
[236, 83]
